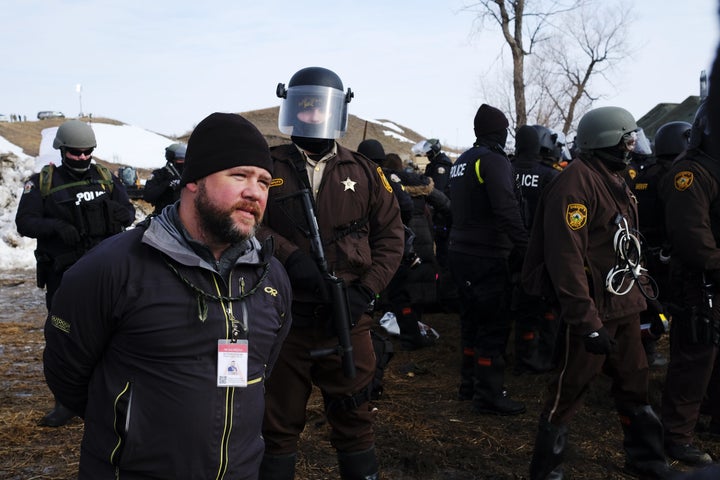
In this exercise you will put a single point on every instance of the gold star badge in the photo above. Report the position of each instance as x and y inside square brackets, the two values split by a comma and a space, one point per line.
[349, 184]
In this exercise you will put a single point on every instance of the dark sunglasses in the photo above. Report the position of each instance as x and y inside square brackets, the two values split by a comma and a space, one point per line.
[75, 152]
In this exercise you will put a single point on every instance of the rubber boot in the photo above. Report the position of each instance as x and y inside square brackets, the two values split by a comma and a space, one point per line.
[362, 465]
[59, 416]
[490, 395]
[643, 443]
[548, 452]
[277, 467]
[467, 375]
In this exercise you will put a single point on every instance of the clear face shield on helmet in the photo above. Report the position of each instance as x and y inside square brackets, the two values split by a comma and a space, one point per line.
[641, 144]
[313, 111]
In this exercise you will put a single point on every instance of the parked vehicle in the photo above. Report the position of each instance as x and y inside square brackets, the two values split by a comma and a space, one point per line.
[49, 114]
[4, 118]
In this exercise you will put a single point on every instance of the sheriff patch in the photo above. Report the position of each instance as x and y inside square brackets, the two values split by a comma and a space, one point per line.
[576, 216]
[384, 180]
[683, 180]
[632, 173]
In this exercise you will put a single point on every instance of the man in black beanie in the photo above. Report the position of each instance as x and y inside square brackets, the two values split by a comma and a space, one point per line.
[145, 326]
[362, 235]
[487, 227]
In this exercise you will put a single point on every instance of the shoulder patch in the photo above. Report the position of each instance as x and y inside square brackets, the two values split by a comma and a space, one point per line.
[441, 170]
[276, 182]
[28, 187]
[576, 216]
[384, 180]
[683, 180]
[395, 178]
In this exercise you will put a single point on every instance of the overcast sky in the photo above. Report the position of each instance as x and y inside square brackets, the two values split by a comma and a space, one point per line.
[164, 65]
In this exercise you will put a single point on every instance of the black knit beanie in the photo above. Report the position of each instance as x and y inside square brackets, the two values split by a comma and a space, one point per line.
[373, 150]
[489, 120]
[222, 141]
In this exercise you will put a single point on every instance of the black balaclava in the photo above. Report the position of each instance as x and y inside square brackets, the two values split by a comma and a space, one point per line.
[77, 166]
[314, 146]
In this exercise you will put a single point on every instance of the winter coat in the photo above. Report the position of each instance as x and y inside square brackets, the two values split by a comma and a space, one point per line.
[572, 241]
[485, 210]
[357, 214]
[87, 203]
[132, 347]
[163, 187]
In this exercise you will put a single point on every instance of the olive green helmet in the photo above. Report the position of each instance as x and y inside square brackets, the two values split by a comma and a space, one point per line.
[604, 127]
[74, 134]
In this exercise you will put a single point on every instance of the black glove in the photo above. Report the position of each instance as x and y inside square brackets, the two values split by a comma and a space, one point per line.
[305, 275]
[600, 342]
[360, 299]
[119, 213]
[68, 234]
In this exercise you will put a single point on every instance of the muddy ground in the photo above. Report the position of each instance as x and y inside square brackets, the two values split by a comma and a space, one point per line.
[423, 432]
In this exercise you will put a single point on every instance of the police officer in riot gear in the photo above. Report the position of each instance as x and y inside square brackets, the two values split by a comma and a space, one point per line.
[585, 250]
[70, 209]
[690, 190]
[163, 187]
[439, 170]
[536, 324]
[362, 235]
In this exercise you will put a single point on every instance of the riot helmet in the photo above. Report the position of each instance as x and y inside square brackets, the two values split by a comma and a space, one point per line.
[604, 127]
[314, 105]
[671, 139]
[562, 152]
[175, 152]
[429, 148]
[642, 144]
[700, 130]
[547, 139]
[77, 139]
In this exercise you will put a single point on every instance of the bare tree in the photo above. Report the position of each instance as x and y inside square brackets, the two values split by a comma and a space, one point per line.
[592, 43]
[522, 25]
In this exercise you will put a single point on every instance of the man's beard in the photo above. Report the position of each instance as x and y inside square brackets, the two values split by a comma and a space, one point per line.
[218, 223]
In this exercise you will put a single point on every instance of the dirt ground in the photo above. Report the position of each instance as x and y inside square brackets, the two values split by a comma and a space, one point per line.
[423, 432]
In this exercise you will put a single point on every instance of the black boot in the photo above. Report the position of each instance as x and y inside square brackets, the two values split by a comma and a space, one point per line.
[548, 453]
[490, 395]
[643, 443]
[467, 375]
[411, 335]
[361, 465]
[527, 352]
[58, 417]
[277, 467]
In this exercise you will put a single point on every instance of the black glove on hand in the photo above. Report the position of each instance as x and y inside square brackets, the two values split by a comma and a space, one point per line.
[600, 342]
[305, 275]
[68, 234]
[360, 299]
[119, 213]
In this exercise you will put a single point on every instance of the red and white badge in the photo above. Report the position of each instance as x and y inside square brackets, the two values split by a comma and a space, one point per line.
[232, 363]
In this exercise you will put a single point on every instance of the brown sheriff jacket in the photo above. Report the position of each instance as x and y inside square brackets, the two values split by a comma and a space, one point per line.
[571, 244]
[357, 213]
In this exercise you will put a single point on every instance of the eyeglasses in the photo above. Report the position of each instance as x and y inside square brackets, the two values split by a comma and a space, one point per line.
[76, 152]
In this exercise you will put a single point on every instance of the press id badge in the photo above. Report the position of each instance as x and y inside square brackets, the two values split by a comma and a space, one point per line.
[232, 363]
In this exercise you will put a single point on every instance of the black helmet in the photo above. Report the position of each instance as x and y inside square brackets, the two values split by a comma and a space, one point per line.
[604, 127]
[175, 151]
[314, 104]
[547, 139]
[672, 138]
[700, 130]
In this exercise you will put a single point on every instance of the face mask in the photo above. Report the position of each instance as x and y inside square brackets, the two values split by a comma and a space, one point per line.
[316, 146]
[79, 166]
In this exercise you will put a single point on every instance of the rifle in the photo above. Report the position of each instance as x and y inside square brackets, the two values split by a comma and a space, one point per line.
[342, 321]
